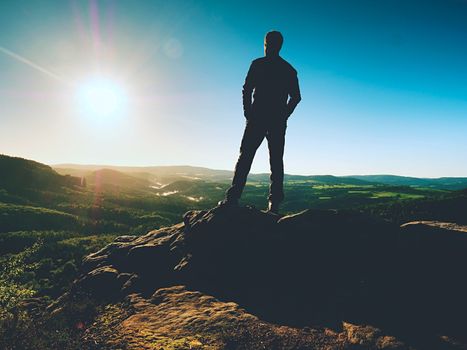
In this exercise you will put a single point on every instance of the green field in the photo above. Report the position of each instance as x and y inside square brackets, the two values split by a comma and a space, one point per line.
[48, 221]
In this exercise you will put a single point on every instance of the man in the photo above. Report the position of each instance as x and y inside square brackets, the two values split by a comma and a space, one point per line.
[274, 85]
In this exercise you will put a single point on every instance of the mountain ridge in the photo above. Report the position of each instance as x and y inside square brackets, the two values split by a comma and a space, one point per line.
[165, 171]
[162, 175]
[201, 168]
[18, 174]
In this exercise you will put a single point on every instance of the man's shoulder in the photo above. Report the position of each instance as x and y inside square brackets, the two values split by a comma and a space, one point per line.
[264, 60]
[289, 66]
[258, 61]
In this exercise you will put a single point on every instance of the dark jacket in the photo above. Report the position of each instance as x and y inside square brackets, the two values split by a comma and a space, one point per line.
[273, 80]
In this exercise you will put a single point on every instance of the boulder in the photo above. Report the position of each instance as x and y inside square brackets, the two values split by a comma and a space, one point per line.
[318, 269]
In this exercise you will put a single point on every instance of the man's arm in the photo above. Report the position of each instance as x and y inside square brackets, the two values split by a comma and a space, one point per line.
[295, 96]
[248, 91]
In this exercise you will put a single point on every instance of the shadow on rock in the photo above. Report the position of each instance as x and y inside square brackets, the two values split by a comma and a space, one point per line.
[312, 269]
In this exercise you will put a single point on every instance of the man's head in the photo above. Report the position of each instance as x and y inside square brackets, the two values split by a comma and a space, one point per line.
[273, 43]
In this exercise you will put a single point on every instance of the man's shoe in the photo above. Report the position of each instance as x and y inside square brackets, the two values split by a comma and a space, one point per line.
[273, 207]
[228, 203]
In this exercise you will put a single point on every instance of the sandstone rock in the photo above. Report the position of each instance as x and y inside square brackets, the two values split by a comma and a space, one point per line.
[103, 282]
[177, 318]
[313, 269]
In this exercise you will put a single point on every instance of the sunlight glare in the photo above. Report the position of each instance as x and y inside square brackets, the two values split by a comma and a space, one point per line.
[101, 98]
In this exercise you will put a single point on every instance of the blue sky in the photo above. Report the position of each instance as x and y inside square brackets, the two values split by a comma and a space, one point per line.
[383, 82]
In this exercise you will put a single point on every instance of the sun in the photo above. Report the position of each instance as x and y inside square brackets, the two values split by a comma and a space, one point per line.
[101, 98]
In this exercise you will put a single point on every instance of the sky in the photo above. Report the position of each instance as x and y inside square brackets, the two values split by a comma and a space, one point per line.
[384, 83]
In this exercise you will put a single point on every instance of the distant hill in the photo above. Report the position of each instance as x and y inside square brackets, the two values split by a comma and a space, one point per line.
[163, 175]
[157, 174]
[18, 174]
[105, 179]
[447, 183]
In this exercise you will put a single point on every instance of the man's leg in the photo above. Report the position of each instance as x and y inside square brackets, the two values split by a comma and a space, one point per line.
[276, 143]
[252, 137]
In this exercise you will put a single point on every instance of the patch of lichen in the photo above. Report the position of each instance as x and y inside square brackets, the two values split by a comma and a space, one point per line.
[168, 343]
[103, 332]
[106, 332]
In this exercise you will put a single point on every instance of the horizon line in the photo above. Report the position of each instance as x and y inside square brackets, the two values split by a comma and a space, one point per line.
[58, 165]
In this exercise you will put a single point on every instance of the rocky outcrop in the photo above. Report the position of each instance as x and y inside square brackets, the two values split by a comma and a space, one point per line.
[312, 279]
[175, 318]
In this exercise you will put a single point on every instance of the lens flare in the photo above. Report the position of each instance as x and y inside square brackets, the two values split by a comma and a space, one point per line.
[100, 98]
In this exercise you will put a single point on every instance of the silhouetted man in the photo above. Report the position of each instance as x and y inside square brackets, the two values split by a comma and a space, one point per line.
[271, 80]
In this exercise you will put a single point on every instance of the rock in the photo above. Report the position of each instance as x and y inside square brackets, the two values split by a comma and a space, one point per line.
[433, 280]
[103, 282]
[315, 269]
[125, 239]
[370, 337]
[177, 318]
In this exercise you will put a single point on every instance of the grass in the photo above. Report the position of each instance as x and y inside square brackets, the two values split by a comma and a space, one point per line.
[377, 195]
[339, 186]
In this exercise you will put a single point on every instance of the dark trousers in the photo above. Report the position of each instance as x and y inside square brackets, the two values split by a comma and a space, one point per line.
[255, 132]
